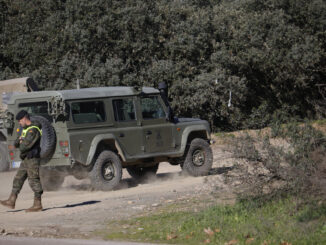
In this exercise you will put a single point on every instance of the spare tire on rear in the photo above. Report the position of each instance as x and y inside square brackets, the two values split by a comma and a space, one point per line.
[48, 139]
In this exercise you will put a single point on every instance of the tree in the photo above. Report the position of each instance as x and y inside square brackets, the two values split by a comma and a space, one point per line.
[270, 54]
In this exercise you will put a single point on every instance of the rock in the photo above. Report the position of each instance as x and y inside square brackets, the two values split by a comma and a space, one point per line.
[140, 207]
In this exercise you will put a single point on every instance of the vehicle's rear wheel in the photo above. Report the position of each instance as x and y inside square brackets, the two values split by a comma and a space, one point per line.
[176, 161]
[51, 180]
[199, 158]
[4, 160]
[142, 173]
[107, 171]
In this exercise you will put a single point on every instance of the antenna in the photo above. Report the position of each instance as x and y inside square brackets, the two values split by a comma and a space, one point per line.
[230, 98]
[78, 85]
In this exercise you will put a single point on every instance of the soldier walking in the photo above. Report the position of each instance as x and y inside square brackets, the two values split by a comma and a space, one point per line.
[29, 145]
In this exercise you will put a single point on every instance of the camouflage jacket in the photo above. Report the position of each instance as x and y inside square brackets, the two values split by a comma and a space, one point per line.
[28, 141]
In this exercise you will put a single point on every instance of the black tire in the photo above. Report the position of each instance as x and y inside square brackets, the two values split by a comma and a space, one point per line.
[4, 159]
[142, 173]
[31, 85]
[48, 139]
[176, 161]
[51, 180]
[107, 171]
[199, 158]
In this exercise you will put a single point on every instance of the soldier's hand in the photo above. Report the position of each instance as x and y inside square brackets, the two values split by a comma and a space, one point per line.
[17, 142]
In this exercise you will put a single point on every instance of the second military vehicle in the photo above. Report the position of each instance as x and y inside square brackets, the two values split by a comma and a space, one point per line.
[7, 89]
[95, 132]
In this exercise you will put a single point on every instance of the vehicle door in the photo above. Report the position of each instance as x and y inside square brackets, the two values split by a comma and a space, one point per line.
[128, 130]
[88, 119]
[157, 130]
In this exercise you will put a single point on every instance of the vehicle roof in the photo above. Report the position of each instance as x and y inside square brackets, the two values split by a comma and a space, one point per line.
[84, 93]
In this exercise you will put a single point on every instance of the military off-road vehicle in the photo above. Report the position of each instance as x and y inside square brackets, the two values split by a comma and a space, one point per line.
[96, 132]
[7, 89]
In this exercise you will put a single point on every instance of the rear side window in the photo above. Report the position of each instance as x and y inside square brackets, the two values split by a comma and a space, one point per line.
[36, 109]
[124, 109]
[88, 112]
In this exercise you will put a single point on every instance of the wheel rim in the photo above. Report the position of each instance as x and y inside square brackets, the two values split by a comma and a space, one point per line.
[198, 157]
[108, 171]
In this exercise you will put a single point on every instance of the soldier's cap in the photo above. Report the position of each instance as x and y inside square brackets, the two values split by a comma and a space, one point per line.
[21, 114]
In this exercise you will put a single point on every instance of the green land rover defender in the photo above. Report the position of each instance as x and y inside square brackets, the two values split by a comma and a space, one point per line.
[95, 132]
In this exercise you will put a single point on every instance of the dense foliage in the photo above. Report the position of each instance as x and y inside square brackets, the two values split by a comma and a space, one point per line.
[269, 53]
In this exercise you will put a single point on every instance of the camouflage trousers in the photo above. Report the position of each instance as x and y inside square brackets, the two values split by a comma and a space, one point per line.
[29, 168]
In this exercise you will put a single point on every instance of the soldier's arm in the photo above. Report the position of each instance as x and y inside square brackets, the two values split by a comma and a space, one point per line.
[30, 139]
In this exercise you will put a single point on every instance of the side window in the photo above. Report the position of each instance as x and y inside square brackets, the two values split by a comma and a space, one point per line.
[152, 108]
[36, 109]
[88, 112]
[124, 109]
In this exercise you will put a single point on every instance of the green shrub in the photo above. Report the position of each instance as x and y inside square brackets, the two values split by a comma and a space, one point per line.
[269, 54]
[290, 158]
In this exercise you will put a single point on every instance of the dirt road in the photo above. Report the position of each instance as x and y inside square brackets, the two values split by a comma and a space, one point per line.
[75, 211]
[9, 240]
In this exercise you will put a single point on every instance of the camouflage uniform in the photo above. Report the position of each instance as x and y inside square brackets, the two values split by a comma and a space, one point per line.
[29, 147]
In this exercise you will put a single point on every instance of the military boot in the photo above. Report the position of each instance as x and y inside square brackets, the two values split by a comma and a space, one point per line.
[37, 206]
[11, 202]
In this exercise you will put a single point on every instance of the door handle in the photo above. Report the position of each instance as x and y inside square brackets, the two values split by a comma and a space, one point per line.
[148, 132]
[121, 135]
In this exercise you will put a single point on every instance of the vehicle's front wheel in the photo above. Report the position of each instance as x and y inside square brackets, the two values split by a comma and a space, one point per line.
[142, 173]
[107, 171]
[199, 158]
